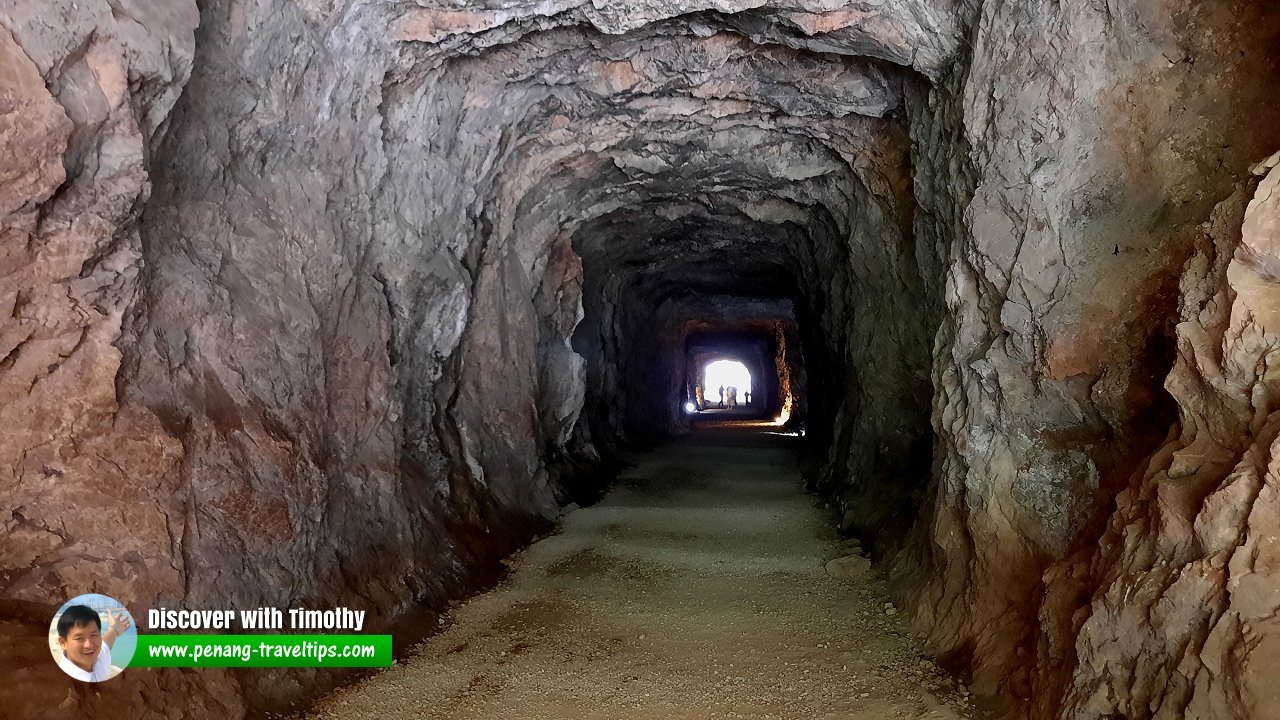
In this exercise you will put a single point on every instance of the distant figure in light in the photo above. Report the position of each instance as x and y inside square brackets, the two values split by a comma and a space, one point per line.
[721, 397]
[746, 398]
[732, 393]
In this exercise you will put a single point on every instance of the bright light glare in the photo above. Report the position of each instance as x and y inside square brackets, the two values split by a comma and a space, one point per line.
[785, 414]
[726, 374]
[689, 407]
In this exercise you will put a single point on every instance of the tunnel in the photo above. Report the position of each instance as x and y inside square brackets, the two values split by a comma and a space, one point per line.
[407, 310]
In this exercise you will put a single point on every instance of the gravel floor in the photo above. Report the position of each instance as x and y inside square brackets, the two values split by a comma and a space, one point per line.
[695, 589]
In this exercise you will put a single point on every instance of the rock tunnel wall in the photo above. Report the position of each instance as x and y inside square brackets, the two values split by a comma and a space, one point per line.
[293, 297]
[1090, 184]
[765, 341]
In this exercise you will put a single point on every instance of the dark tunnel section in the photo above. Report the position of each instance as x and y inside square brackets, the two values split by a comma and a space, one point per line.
[655, 295]
[657, 360]
[647, 336]
[750, 351]
[813, 268]
[767, 346]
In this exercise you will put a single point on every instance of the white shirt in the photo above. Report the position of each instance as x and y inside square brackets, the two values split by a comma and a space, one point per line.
[102, 669]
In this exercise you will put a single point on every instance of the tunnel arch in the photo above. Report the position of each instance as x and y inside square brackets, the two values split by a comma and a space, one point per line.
[729, 376]
[385, 285]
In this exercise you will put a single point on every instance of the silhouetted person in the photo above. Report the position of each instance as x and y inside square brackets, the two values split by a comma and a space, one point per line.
[746, 398]
[732, 392]
[721, 397]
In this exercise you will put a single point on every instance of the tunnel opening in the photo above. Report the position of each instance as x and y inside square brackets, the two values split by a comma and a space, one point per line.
[732, 383]
[805, 303]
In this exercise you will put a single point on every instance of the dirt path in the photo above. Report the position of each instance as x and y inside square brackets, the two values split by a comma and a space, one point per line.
[696, 589]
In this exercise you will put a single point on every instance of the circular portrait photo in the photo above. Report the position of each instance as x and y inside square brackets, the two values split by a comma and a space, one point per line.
[92, 637]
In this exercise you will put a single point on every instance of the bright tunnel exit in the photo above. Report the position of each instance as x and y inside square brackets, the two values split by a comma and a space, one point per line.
[729, 377]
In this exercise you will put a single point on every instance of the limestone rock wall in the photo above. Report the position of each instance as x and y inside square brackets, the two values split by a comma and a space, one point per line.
[86, 481]
[349, 353]
[1096, 141]
[1183, 623]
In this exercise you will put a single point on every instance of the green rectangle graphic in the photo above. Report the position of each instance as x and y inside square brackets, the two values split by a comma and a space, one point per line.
[247, 651]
